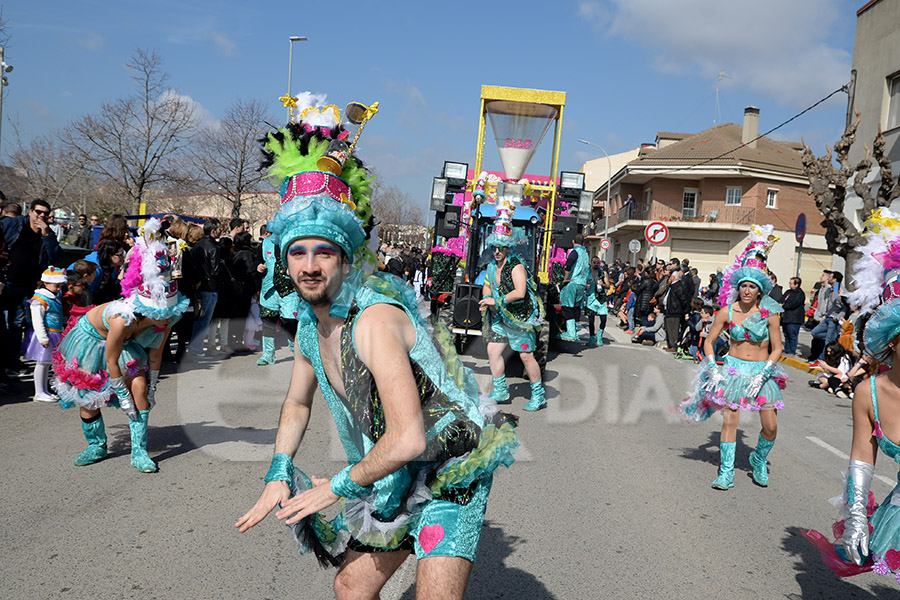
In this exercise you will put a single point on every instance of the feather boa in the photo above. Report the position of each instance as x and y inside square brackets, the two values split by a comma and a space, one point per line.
[759, 234]
[880, 254]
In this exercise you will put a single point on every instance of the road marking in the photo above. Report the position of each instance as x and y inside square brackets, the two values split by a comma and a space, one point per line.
[843, 456]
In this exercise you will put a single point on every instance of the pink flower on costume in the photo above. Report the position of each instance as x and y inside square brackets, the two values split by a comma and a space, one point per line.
[877, 431]
[764, 313]
[733, 406]
[880, 567]
[779, 405]
[747, 335]
[732, 370]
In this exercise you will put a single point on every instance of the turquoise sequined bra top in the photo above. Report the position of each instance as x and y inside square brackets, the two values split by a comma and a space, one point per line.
[754, 328]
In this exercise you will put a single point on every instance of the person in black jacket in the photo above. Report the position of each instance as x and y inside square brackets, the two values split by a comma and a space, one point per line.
[646, 286]
[777, 293]
[208, 271]
[677, 304]
[794, 304]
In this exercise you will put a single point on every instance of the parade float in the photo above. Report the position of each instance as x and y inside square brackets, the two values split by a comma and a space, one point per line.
[548, 208]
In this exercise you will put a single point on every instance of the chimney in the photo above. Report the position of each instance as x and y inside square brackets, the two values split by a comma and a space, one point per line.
[751, 127]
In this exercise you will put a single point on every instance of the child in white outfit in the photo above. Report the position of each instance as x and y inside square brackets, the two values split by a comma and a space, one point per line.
[47, 324]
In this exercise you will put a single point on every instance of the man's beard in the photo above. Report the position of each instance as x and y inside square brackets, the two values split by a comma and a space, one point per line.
[324, 296]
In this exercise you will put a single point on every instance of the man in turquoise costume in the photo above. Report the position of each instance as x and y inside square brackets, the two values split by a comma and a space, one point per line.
[572, 293]
[513, 312]
[420, 444]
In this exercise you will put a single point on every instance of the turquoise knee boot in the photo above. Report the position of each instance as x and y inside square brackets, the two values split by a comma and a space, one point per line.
[571, 333]
[268, 352]
[95, 434]
[291, 346]
[500, 394]
[600, 338]
[538, 398]
[758, 461]
[140, 460]
[725, 480]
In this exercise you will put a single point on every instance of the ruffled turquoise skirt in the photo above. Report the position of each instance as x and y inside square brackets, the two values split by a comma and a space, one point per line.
[886, 527]
[730, 392]
[79, 367]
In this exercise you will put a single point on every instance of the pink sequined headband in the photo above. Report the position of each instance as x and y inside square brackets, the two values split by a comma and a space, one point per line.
[311, 183]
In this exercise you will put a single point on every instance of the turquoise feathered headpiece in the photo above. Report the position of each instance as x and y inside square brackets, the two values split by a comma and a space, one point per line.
[324, 187]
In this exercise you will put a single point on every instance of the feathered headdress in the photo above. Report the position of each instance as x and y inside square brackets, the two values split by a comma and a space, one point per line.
[324, 187]
[147, 285]
[750, 265]
[875, 277]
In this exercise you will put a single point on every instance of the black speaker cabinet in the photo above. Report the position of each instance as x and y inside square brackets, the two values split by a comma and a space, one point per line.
[448, 221]
[564, 230]
[465, 306]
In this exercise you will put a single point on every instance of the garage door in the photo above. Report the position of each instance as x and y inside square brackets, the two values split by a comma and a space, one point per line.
[812, 264]
[705, 255]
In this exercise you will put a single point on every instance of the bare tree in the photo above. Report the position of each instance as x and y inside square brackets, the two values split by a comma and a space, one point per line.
[51, 172]
[226, 153]
[393, 206]
[134, 141]
[828, 185]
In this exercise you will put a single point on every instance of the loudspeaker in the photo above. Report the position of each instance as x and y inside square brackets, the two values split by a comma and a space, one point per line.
[465, 306]
[564, 230]
[447, 222]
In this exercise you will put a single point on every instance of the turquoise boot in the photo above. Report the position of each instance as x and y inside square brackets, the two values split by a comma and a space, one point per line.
[758, 461]
[538, 399]
[95, 434]
[600, 338]
[268, 352]
[500, 395]
[725, 480]
[291, 346]
[140, 460]
[592, 341]
[571, 333]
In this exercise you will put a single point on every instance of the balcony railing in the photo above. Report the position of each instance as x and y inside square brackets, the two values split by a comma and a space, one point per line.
[736, 215]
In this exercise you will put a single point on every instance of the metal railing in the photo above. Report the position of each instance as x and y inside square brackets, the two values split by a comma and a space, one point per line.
[737, 215]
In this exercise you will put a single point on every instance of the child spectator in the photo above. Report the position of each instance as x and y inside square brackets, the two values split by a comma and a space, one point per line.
[836, 367]
[86, 273]
[653, 332]
[74, 295]
[690, 337]
[47, 323]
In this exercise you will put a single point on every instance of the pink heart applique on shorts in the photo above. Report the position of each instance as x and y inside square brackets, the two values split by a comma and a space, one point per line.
[525, 347]
[430, 536]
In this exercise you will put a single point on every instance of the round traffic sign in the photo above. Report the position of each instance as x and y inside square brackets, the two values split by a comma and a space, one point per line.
[634, 246]
[800, 228]
[656, 233]
[604, 244]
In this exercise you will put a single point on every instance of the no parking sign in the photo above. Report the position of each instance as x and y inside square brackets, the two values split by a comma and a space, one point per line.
[656, 233]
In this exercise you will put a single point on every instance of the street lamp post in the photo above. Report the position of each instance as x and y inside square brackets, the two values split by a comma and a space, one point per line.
[608, 184]
[292, 39]
[4, 69]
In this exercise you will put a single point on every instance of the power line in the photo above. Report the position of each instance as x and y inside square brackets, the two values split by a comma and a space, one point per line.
[844, 88]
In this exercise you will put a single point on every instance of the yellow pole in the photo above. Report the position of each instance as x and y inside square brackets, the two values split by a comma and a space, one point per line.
[142, 210]
[479, 151]
[544, 272]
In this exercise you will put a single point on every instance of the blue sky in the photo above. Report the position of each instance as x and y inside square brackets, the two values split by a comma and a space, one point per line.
[630, 67]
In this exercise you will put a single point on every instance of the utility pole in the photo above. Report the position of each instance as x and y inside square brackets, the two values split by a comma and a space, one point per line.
[4, 69]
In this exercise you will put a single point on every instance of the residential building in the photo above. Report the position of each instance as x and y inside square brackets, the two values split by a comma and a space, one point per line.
[875, 91]
[708, 188]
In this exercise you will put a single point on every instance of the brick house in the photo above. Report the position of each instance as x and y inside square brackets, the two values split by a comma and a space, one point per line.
[708, 188]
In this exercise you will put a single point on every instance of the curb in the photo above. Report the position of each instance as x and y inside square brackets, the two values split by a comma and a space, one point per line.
[802, 365]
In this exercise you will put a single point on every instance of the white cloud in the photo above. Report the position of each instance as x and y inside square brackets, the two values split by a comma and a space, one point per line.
[222, 42]
[780, 49]
[91, 41]
[202, 116]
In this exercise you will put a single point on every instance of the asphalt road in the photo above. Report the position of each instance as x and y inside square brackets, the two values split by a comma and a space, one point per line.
[609, 498]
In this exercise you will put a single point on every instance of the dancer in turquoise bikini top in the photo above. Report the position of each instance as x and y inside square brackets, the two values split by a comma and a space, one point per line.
[870, 541]
[750, 379]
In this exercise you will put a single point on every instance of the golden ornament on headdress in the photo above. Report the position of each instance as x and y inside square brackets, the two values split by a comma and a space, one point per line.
[336, 112]
[360, 114]
[878, 221]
